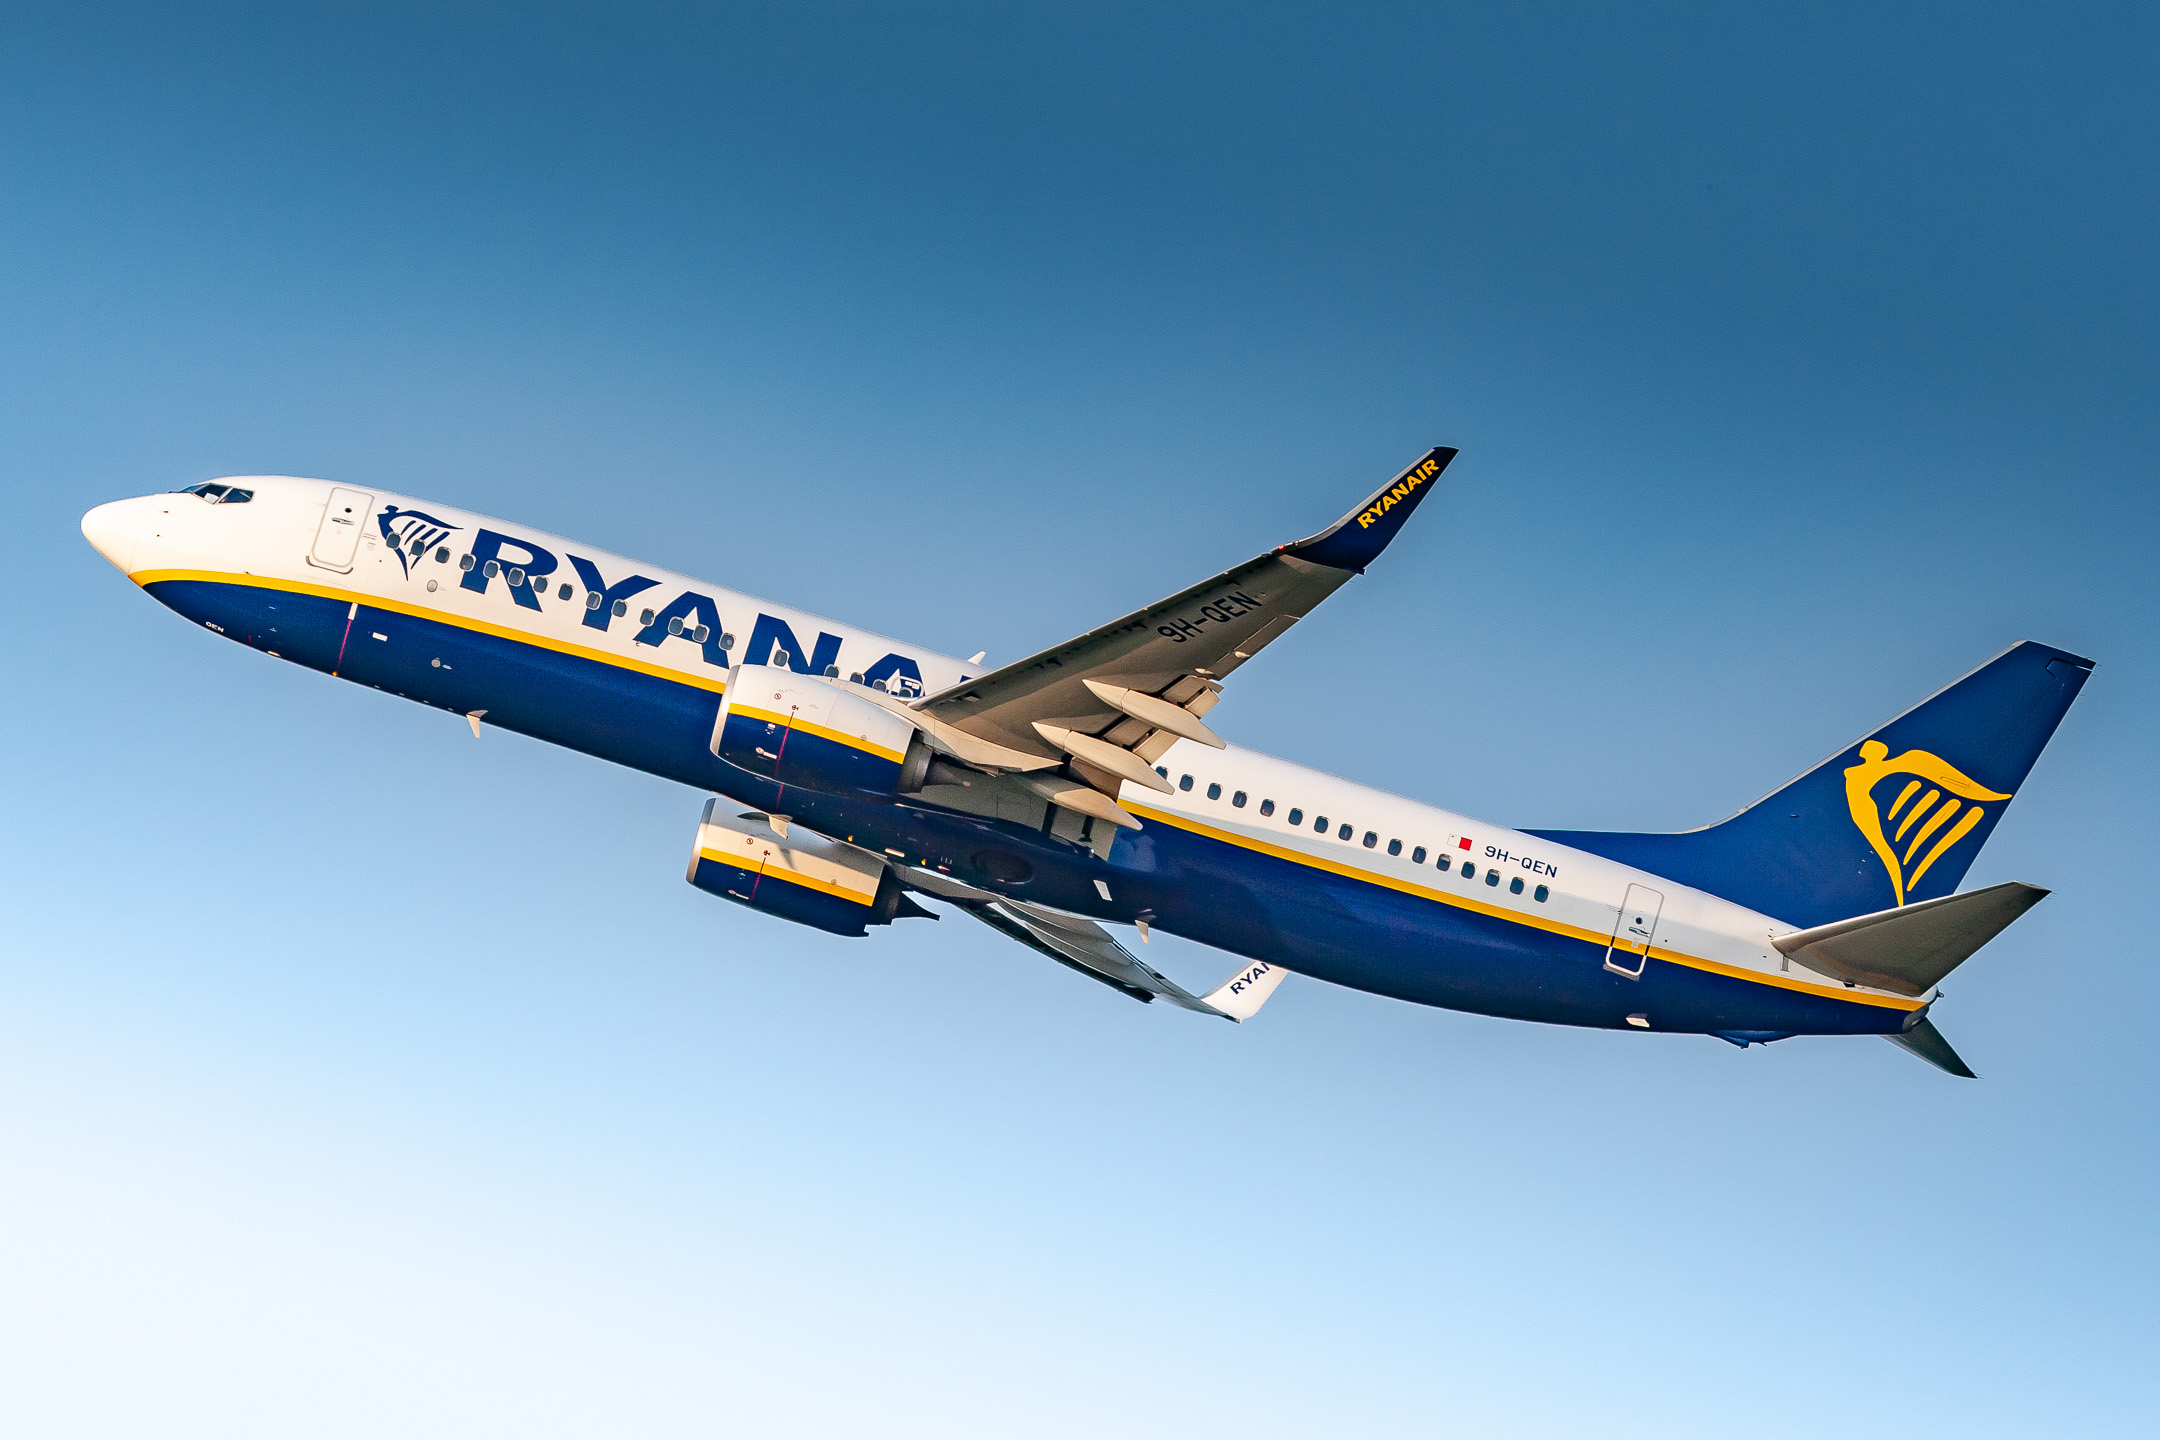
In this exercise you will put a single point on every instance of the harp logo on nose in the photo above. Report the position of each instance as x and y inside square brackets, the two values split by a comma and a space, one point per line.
[1933, 810]
[410, 533]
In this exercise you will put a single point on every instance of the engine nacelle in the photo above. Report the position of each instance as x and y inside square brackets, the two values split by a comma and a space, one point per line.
[802, 877]
[815, 733]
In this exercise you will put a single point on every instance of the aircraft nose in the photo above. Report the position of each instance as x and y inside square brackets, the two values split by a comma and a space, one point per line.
[113, 529]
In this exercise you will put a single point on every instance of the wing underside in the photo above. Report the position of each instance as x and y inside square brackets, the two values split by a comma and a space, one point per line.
[1083, 945]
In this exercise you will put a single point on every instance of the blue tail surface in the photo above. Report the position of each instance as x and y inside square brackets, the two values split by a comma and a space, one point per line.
[1896, 817]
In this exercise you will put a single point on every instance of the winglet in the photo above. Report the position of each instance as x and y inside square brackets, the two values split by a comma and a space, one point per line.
[1241, 996]
[1357, 539]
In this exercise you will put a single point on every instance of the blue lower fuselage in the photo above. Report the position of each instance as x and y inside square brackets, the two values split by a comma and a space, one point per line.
[1330, 926]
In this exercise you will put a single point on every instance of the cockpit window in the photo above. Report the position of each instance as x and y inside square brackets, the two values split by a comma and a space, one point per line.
[217, 494]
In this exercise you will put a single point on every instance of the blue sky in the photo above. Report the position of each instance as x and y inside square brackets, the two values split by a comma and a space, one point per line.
[355, 1076]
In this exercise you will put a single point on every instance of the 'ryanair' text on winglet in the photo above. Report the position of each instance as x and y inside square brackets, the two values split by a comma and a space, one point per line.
[1357, 539]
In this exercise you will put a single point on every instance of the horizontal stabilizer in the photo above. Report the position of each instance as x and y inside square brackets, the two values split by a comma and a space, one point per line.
[1910, 949]
[1927, 1042]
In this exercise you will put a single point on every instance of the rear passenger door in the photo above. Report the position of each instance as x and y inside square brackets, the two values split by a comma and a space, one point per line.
[339, 534]
[1633, 930]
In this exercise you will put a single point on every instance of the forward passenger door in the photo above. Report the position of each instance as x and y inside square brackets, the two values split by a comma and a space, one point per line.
[339, 534]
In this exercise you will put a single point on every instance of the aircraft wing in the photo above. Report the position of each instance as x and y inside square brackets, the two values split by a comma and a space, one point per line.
[1113, 700]
[1078, 942]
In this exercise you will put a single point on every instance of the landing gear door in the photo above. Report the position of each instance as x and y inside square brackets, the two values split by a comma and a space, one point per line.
[339, 534]
[1633, 930]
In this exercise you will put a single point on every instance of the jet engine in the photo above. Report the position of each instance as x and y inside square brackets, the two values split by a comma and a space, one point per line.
[799, 876]
[812, 732]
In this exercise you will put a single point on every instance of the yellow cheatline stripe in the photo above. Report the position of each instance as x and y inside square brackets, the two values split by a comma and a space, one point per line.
[147, 578]
[1536, 922]
[793, 877]
[796, 722]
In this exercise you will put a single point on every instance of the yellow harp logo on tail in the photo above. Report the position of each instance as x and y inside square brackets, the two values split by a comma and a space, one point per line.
[1936, 795]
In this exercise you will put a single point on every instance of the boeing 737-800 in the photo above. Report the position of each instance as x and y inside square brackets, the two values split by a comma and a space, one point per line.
[852, 774]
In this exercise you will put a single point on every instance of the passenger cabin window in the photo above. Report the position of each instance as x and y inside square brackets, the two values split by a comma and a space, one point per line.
[1492, 877]
[442, 555]
[1372, 838]
[491, 569]
[1214, 791]
[419, 548]
[1184, 782]
[465, 562]
[1297, 816]
[1394, 847]
[622, 607]
[1514, 886]
[1163, 770]
[1319, 824]
[1541, 894]
[674, 625]
[1469, 869]
[1267, 807]
[644, 617]
[592, 600]
[1344, 833]
[1417, 856]
[1237, 801]
[563, 593]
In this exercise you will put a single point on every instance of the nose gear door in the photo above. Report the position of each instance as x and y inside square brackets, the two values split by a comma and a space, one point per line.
[1633, 930]
[339, 534]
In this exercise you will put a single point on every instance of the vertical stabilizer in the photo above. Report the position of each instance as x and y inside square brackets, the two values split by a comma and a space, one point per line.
[1896, 817]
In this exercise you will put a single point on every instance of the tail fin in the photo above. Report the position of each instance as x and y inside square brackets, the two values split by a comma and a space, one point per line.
[1896, 818]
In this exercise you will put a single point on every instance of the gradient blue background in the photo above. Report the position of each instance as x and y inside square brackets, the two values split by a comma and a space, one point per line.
[357, 1078]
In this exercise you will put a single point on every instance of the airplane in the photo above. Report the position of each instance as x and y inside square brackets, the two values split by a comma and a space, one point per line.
[852, 776]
